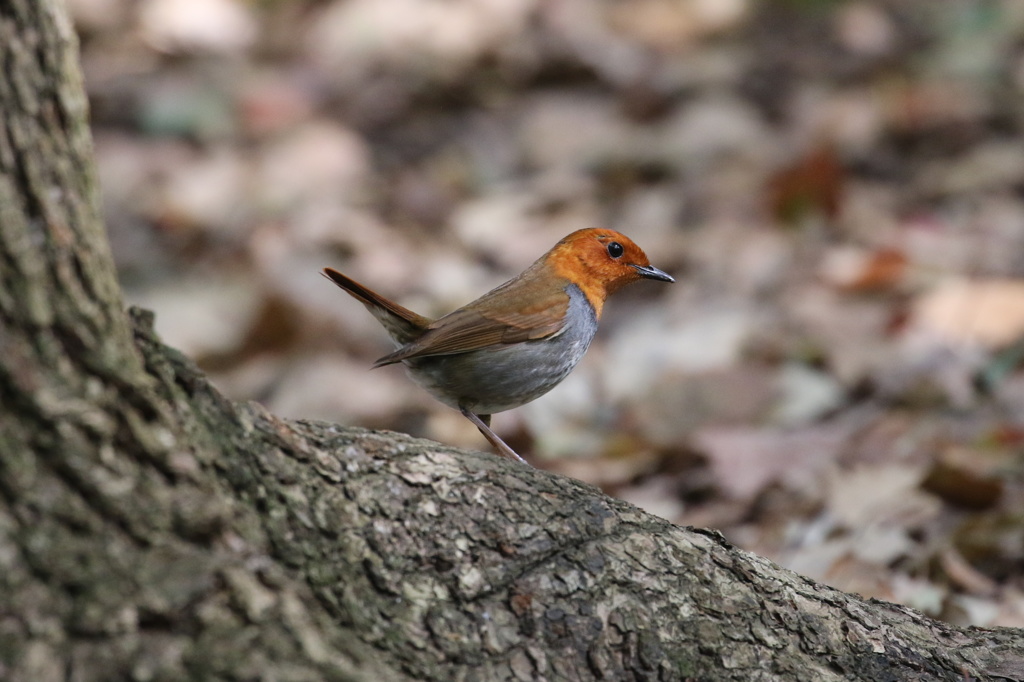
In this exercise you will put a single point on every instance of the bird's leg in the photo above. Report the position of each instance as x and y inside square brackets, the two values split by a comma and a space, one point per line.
[483, 422]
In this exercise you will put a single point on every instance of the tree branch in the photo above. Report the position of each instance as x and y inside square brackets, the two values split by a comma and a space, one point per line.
[461, 564]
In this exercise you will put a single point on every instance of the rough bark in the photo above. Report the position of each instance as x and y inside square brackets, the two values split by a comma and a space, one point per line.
[150, 529]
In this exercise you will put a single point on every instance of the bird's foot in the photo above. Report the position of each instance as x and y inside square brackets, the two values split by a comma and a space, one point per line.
[483, 423]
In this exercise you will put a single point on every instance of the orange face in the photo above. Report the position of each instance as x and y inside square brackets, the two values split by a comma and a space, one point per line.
[600, 262]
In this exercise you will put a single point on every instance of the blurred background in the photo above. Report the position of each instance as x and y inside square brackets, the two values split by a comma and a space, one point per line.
[835, 382]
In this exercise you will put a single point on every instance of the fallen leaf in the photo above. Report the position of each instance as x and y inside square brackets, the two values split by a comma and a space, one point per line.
[190, 25]
[884, 493]
[860, 271]
[987, 313]
[965, 576]
[813, 184]
[966, 477]
[745, 460]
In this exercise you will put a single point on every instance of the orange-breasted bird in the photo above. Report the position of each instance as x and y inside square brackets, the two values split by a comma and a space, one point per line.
[518, 341]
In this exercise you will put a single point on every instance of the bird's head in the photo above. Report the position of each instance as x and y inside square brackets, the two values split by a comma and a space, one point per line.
[600, 262]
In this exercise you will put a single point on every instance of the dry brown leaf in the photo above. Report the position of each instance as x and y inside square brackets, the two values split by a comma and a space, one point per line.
[745, 460]
[988, 313]
[967, 477]
[674, 25]
[857, 271]
[965, 576]
[879, 494]
[814, 184]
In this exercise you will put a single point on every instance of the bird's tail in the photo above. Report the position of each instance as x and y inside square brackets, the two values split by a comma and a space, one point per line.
[401, 323]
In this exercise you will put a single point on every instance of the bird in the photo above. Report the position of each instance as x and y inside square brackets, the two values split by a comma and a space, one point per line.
[519, 340]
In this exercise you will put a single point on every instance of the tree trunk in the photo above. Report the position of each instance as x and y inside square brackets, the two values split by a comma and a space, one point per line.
[150, 529]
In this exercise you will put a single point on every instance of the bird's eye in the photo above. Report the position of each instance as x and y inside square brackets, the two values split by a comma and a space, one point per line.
[615, 250]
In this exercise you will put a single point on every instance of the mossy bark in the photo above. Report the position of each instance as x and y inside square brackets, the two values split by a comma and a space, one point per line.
[150, 529]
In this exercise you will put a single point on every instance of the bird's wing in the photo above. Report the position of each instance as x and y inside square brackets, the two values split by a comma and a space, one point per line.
[487, 322]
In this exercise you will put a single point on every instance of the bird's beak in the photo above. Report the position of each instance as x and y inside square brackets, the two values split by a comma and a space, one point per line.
[651, 272]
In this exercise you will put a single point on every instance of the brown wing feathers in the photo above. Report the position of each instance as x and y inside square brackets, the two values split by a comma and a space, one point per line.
[497, 318]
[468, 329]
